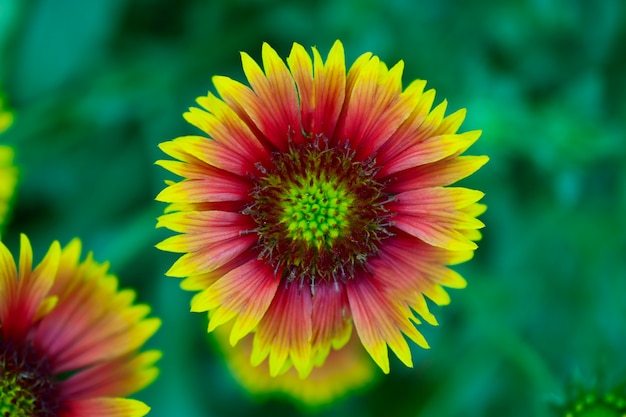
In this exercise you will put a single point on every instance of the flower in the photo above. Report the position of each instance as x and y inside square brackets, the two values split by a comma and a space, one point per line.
[344, 370]
[6, 117]
[8, 180]
[8, 172]
[599, 395]
[69, 339]
[592, 405]
[316, 202]
[586, 401]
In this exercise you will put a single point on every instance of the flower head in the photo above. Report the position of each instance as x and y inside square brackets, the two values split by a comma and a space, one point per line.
[69, 339]
[316, 202]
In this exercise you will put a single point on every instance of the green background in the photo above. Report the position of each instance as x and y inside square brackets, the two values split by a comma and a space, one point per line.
[96, 85]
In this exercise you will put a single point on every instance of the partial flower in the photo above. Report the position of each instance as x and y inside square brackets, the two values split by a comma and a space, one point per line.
[6, 116]
[318, 201]
[595, 405]
[592, 396]
[344, 371]
[69, 338]
[8, 172]
[8, 181]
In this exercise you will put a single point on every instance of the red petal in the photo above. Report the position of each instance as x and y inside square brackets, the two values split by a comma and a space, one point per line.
[116, 378]
[428, 151]
[245, 293]
[321, 88]
[407, 268]
[272, 104]
[380, 321]
[104, 407]
[391, 119]
[435, 215]
[210, 239]
[375, 107]
[205, 190]
[444, 172]
[8, 287]
[26, 292]
[223, 125]
[76, 335]
[331, 321]
[285, 331]
[210, 152]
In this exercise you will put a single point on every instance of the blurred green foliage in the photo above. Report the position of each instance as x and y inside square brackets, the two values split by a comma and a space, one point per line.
[96, 85]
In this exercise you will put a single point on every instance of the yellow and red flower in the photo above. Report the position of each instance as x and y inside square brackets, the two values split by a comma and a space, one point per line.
[318, 201]
[69, 338]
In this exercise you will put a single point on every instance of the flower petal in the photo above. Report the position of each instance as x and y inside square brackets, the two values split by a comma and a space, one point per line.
[245, 103]
[272, 104]
[8, 288]
[355, 71]
[223, 125]
[429, 150]
[245, 293]
[208, 151]
[331, 321]
[285, 331]
[76, 336]
[436, 214]
[380, 322]
[408, 268]
[210, 239]
[376, 91]
[117, 378]
[33, 287]
[395, 114]
[420, 124]
[24, 296]
[205, 190]
[92, 320]
[321, 88]
[203, 183]
[443, 172]
[104, 407]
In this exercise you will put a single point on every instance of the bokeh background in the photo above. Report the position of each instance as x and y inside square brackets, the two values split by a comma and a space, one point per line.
[97, 84]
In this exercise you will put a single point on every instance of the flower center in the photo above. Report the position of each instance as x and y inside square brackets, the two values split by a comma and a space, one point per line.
[27, 387]
[316, 211]
[320, 214]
